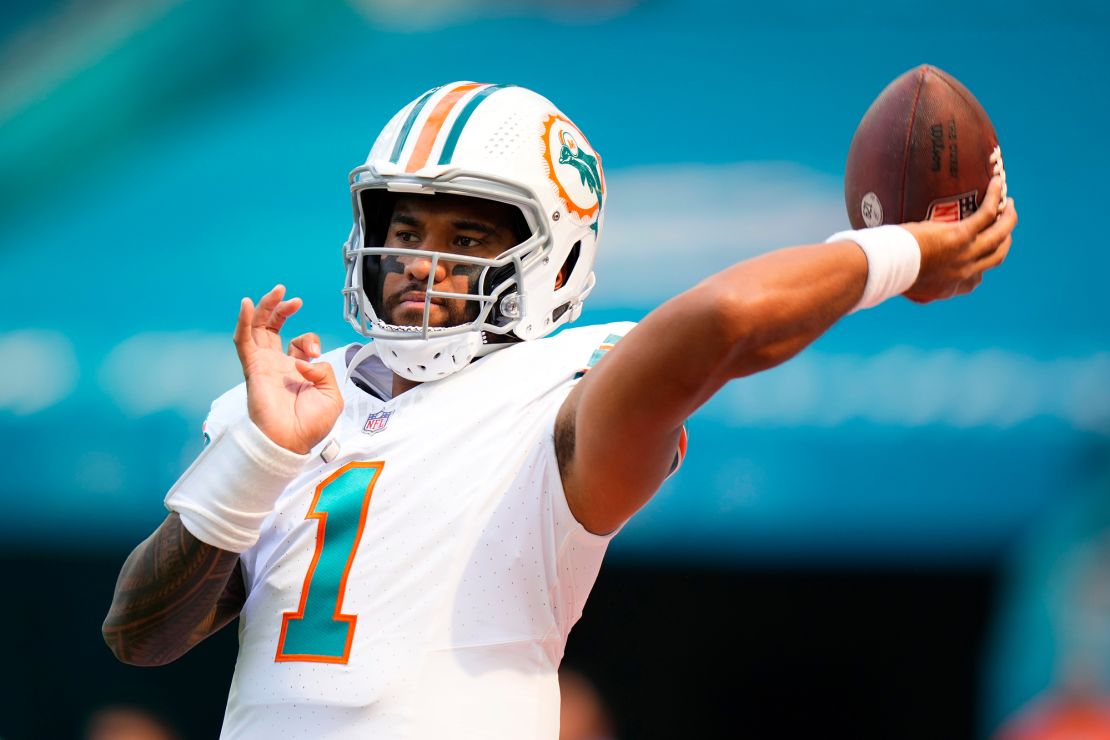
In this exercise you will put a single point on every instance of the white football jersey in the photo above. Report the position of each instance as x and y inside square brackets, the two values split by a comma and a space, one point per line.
[423, 582]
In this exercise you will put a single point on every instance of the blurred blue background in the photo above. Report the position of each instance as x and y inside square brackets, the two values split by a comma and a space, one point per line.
[159, 160]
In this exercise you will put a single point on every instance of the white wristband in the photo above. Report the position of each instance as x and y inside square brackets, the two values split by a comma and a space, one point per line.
[230, 489]
[893, 261]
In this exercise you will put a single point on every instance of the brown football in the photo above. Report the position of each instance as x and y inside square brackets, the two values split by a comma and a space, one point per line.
[925, 150]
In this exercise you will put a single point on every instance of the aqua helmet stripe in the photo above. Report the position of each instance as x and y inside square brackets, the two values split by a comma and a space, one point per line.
[464, 116]
[407, 127]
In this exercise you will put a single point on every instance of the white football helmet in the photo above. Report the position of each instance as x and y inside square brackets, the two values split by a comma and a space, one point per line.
[497, 142]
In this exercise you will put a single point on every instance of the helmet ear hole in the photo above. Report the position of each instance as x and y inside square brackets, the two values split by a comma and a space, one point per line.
[568, 265]
[565, 272]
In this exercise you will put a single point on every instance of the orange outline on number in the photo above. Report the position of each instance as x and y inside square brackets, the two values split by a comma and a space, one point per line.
[321, 522]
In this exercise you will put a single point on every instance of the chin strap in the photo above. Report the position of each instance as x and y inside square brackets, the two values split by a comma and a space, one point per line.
[436, 358]
[425, 360]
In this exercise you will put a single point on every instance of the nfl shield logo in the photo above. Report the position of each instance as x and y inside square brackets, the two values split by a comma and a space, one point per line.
[945, 212]
[376, 422]
[956, 208]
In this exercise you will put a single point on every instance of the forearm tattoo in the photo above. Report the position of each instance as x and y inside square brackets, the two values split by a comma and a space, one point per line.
[172, 592]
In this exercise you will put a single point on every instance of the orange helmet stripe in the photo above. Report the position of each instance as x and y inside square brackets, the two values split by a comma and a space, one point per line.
[434, 123]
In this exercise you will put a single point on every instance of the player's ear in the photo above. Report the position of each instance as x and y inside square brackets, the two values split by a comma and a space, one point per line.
[561, 277]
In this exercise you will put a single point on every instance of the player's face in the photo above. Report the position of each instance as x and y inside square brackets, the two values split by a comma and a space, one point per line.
[452, 224]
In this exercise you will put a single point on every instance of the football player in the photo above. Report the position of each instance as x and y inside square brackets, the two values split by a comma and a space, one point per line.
[408, 530]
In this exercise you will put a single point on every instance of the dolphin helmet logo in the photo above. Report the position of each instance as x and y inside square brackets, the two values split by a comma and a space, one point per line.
[576, 172]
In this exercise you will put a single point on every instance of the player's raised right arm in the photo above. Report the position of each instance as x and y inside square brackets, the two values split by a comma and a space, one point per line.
[617, 432]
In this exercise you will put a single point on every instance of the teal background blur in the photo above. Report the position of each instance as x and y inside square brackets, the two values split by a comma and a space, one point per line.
[159, 160]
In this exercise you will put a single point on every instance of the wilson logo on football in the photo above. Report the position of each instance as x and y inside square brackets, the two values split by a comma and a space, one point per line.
[955, 208]
[574, 168]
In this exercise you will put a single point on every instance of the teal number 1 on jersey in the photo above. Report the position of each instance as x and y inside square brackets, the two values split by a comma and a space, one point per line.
[319, 631]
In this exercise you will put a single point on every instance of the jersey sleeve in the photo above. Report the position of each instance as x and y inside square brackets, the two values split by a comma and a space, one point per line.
[614, 332]
[224, 412]
[575, 553]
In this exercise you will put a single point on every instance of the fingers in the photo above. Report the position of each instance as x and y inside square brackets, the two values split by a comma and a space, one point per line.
[321, 375]
[266, 306]
[995, 258]
[990, 261]
[305, 347]
[1011, 214]
[1006, 221]
[990, 238]
[258, 326]
[283, 311]
[270, 316]
[964, 287]
[244, 342]
[987, 212]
